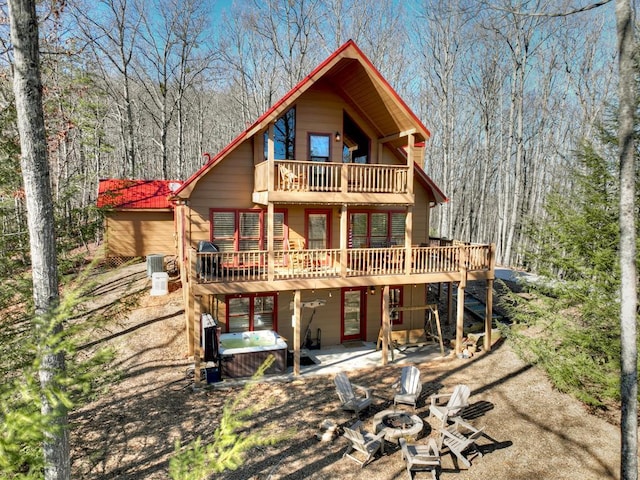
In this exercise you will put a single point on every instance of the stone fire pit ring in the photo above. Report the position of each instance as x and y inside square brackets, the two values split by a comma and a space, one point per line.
[398, 424]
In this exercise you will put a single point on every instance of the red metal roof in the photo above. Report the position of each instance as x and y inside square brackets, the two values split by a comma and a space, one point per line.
[136, 194]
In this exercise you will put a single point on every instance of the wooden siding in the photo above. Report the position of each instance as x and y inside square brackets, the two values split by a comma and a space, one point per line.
[421, 215]
[320, 112]
[138, 234]
[228, 185]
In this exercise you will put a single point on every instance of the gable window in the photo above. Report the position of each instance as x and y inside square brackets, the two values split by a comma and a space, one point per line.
[319, 147]
[251, 312]
[356, 143]
[284, 137]
[376, 229]
[240, 230]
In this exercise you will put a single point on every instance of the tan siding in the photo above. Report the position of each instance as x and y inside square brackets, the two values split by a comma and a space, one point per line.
[135, 234]
[421, 213]
[228, 185]
[318, 111]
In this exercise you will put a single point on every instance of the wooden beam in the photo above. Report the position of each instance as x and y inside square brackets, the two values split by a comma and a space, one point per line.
[449, 301]
[429, 306]
[197, 349]
[344, 235]
[297, 314]
[386, 324]
[408, 235]
[460, 319]
[488, 316]
[396, 136]
[460, 311]
[270, 232]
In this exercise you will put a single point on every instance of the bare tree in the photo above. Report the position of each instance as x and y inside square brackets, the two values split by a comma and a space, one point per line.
[27, 87]
[172, 54]
[289, 30]
[251, 67]
[196, 57]
[441, 46]
[628, 274]
[111, 28]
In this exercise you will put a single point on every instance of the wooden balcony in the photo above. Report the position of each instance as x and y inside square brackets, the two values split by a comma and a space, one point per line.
[252, 271]
[289, 181]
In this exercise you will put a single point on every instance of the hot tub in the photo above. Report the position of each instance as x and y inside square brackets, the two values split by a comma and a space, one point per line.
[242, 353]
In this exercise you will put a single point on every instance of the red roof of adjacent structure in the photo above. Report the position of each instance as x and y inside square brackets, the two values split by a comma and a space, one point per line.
[136, 194]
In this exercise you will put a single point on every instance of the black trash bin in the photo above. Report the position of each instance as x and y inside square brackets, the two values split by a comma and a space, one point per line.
[213, 374]
[208, 266]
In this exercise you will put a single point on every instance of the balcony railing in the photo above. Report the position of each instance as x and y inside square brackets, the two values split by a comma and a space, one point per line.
[253, 265]
[302, 176]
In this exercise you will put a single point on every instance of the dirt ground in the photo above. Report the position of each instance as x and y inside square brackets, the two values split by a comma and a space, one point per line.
[531, 430]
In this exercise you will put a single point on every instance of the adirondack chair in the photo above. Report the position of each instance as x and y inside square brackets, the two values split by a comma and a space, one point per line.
[410, 387]
[348, 398]
[457, 400]
[460, 437]
[421, 457]
[289, 180]
[364, 442]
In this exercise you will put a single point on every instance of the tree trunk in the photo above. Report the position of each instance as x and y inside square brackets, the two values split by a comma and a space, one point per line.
[27, 87]
[628, 279]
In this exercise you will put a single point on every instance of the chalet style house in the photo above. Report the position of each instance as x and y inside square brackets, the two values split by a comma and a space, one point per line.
[319, 212]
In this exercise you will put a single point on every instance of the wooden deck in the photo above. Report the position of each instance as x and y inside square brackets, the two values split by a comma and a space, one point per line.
[290, 181]
[330, 268]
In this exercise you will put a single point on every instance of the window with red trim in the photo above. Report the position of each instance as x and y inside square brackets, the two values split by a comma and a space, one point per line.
[250, 312]
[238, 230]
[376, 229]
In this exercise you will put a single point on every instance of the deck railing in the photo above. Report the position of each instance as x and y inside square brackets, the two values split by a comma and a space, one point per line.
[304, 176]
[252, 265]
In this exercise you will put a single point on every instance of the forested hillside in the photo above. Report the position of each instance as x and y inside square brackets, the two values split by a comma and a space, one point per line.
[144, 89]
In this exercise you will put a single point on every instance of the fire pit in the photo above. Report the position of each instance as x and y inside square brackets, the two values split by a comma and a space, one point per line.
[398, 424]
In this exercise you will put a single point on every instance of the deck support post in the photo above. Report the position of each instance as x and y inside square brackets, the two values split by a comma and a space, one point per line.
[488, 319]
[270, 230]
[197, 348]
[460, 318]
[386, 324]
[488, 316]
[344, 234]
[449, 301]
[297, 314]
[408, 234]
[460, 310]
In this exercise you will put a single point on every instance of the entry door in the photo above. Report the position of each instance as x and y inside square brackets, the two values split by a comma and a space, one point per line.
[318, 233]
[319, 151]
[353, 314]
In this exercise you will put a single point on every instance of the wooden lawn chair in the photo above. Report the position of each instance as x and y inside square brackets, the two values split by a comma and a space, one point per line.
[410, 387]
[457, 400]
[364, 442]
[460, 437]
[290, 181]
[421, 457]
[348, 398]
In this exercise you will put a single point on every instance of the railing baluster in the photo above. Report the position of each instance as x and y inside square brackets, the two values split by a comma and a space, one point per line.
[290, 264]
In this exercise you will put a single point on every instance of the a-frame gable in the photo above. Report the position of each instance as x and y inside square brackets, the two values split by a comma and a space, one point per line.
[353, 75]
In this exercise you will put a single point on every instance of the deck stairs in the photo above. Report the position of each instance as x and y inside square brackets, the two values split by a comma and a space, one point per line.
[476, 307]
